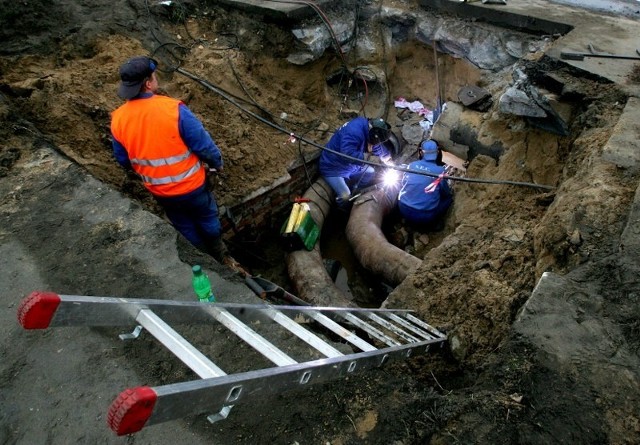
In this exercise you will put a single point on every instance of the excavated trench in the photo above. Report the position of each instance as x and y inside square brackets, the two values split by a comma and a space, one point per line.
[364, 94]
[543, 124]
[547, 124]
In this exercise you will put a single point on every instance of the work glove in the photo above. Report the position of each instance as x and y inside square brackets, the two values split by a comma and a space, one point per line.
[214, 177]
[386, 160]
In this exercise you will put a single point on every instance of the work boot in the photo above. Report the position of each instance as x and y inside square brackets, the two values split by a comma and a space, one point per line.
[217, 249]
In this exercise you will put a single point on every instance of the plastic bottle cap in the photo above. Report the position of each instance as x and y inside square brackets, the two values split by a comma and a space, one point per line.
[196, 269]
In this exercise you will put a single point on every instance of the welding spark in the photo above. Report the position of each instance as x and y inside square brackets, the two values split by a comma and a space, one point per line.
[390, 177]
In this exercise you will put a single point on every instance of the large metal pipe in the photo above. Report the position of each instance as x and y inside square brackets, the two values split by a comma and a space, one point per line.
[370, 245]
[306, 269]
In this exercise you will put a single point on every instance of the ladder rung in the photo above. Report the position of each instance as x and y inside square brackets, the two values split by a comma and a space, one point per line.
[341, 331]
[393, 328]
[177, 344]
[413, 328]
[250, 336]
[425, 326]
[305, 335]
[370, 329]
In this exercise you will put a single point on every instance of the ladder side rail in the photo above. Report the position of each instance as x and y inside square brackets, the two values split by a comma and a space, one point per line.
[393, 328]
[425, 326]
[375, 333]
[251, 337]
[341, 331]
[413, 328]
[164, 403]
[303, 334]
[41, 310]
[184, 351]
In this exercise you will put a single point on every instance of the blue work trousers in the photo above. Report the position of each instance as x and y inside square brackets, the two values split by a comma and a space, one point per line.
[195, 216]
[342, 185]
[424, 218]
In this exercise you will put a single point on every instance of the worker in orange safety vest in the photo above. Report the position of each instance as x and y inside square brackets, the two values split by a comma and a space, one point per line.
[163, 142]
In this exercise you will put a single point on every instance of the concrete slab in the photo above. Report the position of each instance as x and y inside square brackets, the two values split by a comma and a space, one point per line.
[578, 27]
[279, 10]
[623, 147]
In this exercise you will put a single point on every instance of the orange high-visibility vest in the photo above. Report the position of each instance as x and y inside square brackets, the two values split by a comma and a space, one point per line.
[148, 130]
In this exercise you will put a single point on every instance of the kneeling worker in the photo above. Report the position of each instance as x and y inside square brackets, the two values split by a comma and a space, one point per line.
[357, 138]
[423, 199]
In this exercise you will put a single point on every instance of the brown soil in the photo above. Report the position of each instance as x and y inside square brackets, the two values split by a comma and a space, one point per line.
[58, 70]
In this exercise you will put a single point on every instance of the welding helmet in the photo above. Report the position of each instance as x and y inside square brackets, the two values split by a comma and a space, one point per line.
[379, 131]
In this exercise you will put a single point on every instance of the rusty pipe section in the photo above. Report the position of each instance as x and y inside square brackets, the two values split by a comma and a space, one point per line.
[306, 268]
[368, 242]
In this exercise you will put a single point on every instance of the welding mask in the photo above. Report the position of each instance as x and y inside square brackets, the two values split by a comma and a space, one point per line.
[379, 131]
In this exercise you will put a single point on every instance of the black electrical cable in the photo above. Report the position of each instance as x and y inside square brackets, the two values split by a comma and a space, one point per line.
[351, 158]
[326, 21]
[230, 98]
[305, 126]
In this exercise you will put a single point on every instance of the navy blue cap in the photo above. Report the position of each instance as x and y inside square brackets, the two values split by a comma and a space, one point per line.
[133, 73]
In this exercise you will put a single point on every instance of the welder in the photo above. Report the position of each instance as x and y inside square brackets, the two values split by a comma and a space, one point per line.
[359, 139]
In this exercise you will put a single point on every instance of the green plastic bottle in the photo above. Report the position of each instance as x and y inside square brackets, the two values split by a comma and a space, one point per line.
[202, 285]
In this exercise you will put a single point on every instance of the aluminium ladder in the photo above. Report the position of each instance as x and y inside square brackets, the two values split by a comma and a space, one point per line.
[392, 335]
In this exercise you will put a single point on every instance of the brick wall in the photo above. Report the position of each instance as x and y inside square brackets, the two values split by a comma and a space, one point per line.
[270, 205]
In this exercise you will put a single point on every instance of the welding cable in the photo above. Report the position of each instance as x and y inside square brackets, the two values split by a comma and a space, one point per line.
[252, 101]
[312, 184]
[173, 68]
[244, 88]
[366, 93]
[325, 20]
[364, 81]
[303, 125]
[227, 97]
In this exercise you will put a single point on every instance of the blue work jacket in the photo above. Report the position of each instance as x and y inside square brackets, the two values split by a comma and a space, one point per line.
[412, 193]
[350, 139]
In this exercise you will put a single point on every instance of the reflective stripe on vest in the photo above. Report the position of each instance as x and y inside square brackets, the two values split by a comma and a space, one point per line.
[161, 161]
[170, 179]
[148, 130]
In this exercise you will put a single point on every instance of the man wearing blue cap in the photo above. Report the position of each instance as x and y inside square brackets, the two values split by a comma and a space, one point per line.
[355, 139]
[423, 199]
